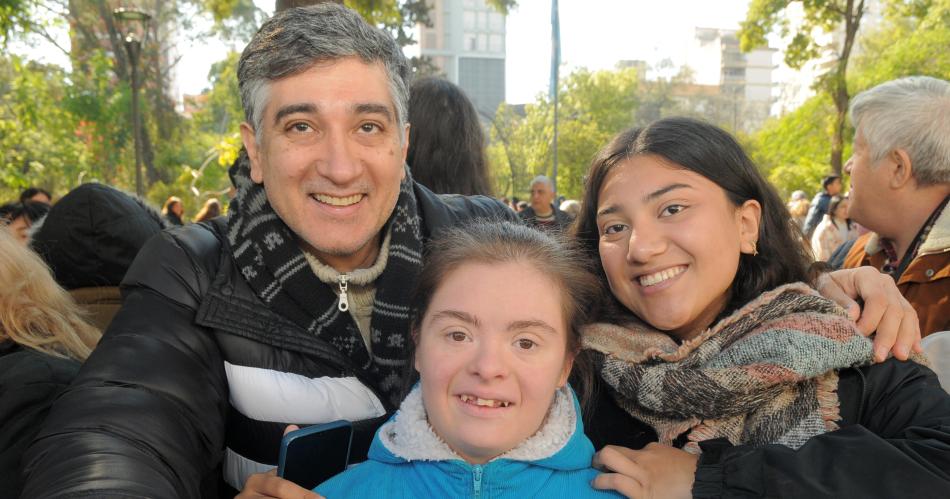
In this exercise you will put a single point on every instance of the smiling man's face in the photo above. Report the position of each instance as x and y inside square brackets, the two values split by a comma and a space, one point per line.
[331, 158]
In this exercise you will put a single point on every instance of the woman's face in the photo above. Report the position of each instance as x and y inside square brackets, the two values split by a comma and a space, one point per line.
[670, 242]
[841, 211]
[492, 351]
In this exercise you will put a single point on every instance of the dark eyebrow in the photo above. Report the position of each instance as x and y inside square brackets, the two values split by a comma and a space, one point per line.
[374, 108]
[304, 107]
[659, 192]
[607, 210]
[458, 315]
[532, 324]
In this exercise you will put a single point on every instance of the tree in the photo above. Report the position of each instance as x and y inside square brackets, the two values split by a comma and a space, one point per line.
[792, 150]
[828, 16]
[594, 106]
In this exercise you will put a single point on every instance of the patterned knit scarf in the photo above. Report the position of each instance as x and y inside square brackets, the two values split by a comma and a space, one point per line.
[765, 374]
[272, 262]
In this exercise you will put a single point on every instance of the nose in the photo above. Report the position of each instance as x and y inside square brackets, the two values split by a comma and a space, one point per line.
[337, 161]
[644, 244]
[489, 360]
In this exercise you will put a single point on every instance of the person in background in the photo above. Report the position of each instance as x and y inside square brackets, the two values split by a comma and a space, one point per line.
[172, 210]
[571, 206]
[900, 187]
[446, 141]
[6, 209]
[211, 209]
[834, 230]
[798, 208]
[21, 218]
[43, 339]
[90, 238]
[830, 186]
[543, 213]
[36, 194]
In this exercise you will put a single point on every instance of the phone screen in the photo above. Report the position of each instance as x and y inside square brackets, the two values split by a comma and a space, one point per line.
[311, 455]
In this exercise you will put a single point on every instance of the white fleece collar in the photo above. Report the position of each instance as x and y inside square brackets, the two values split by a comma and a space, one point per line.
[409, 436]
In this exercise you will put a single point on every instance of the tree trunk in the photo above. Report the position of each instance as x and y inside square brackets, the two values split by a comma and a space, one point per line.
[839, 84]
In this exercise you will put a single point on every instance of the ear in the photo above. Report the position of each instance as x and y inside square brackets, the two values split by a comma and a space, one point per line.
[253, 152]
[414, 334]
[404, 149]
[566, 369]
[749, 216]
[902, 169]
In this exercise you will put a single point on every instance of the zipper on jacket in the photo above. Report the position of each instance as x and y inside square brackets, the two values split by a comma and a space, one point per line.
[477, 479]
[344, 304]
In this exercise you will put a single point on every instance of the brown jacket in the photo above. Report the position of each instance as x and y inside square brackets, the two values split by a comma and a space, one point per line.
[926, 281]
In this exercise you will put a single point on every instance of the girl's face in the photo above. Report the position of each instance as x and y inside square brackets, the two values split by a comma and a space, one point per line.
[492, 351]
[841, 212]
[670, 241]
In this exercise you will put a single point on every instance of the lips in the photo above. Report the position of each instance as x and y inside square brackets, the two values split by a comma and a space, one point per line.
[655, 278]
[481, 402]
[337, 200]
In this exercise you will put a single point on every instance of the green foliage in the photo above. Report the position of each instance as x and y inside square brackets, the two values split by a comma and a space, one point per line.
[792, 151]
[38, 140]
[593, 106]
[912, 40]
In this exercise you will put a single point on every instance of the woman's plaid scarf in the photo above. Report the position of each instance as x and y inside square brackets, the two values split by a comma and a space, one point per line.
[765, 374]
[269, 257]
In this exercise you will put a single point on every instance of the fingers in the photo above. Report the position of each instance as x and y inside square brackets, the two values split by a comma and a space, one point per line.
[620, 460]
[290, 428]
[621, 483]
[835, 286]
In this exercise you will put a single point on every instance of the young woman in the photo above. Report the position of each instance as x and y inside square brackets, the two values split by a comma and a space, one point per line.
[752, 384]
[834, 230]
[43, 340]
[497, 327]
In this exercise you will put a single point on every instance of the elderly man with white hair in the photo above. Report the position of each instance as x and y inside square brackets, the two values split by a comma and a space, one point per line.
[900, 185]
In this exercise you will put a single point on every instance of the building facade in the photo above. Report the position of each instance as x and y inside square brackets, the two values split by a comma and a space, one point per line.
[466, 42]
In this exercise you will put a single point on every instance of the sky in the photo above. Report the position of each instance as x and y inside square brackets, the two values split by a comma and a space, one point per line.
[594, 34]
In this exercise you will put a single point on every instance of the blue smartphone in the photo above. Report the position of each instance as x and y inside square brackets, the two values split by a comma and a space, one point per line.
[311, 455]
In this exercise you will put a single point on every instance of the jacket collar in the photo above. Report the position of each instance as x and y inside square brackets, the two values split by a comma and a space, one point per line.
[559, 444]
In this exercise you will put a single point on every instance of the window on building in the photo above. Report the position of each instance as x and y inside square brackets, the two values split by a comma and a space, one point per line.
[482, 42]
[470, 41]
[497, 21]
[496, 43]
[469, 19]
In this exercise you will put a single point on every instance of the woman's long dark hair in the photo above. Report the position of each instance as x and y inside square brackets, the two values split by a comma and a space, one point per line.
[713, 153]
[446, 142]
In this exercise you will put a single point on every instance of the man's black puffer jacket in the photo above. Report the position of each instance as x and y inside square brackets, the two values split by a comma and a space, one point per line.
[152, 412]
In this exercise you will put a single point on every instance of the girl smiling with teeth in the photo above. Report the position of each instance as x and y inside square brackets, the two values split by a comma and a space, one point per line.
[492, 414]
[735, 378]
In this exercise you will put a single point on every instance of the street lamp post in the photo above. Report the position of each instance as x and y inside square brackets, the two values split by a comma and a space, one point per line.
[135, 23]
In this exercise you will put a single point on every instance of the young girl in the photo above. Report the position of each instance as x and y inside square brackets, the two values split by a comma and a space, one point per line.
[765, 386]
[834, 230]
[496, 332]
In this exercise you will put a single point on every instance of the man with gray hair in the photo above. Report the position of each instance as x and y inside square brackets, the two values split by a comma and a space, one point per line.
[292, 310]
[543, 213]
[900, 185]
